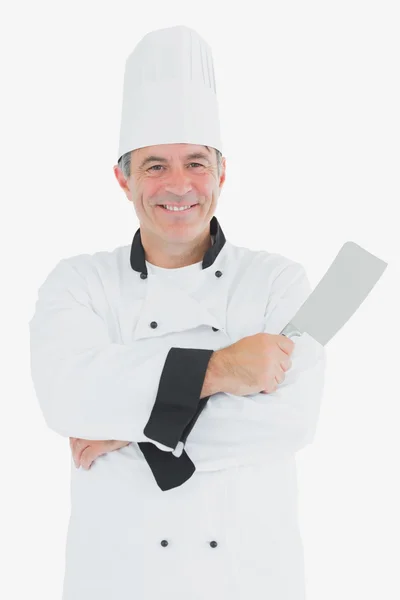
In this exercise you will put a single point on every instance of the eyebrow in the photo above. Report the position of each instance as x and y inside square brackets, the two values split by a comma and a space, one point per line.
[161, 159]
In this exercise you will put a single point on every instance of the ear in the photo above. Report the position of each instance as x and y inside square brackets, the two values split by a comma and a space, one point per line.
[123, 183]
[223, 173]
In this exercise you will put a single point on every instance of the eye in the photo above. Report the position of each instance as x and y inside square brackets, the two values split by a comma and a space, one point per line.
[155, 166]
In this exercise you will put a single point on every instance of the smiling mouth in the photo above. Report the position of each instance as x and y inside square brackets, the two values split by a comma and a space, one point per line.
[174, 211]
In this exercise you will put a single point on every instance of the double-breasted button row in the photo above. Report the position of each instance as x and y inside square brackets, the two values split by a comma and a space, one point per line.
[144, 275]
[154, 324]
[213, 544]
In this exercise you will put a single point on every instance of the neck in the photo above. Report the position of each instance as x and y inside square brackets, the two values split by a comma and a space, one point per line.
[160, 253]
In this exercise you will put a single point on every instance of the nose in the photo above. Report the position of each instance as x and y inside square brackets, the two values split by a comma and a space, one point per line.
[178, 183]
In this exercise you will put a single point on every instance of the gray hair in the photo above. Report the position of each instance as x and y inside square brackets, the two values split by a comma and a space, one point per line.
[124, 162]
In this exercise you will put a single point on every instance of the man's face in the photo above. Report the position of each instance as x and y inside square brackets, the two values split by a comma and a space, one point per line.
[173, 174]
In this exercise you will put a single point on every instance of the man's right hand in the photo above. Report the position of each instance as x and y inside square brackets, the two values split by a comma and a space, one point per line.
[256, 363]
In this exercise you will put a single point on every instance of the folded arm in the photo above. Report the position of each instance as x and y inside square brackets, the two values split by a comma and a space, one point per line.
[149, 393]
[92, 388]
[238, 429]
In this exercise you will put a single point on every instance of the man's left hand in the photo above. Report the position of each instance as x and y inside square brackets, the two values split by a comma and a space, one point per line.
[84, 452]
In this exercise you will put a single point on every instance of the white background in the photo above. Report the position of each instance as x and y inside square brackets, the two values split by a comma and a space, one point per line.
[309, 103]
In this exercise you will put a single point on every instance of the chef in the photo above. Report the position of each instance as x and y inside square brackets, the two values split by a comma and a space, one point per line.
[162, 362]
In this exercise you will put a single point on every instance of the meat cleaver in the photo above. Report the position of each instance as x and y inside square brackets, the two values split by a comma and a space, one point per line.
[342, 289]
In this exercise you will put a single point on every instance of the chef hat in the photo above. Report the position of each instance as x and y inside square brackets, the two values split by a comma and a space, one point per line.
[169, 93]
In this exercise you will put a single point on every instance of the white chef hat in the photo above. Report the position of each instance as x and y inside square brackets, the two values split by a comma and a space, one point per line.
[169, 93]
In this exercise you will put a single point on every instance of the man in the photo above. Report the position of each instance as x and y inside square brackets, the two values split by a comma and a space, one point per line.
[162, 362]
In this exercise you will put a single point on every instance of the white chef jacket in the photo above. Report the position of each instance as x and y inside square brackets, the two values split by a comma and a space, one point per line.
[202, 504]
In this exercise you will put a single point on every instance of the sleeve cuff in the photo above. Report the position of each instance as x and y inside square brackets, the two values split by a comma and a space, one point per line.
[177, 405]
[168, 470]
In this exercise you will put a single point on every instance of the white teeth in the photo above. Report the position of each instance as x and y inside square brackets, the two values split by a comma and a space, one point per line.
[175, 207]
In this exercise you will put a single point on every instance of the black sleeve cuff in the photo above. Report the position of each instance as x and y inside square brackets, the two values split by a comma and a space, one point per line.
[192, 422]
[177, 405]
[169, 471]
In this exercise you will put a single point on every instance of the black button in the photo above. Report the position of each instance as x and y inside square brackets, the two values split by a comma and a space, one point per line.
[164, 543]
[143, 276]
[153, 324]
[215, 329]
[213, 544]
[218, 273]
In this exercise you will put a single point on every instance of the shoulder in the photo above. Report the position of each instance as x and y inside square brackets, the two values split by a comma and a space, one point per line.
[271, 266]
[87, 270]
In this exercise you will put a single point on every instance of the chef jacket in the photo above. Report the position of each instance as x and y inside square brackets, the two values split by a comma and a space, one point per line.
[202, 504]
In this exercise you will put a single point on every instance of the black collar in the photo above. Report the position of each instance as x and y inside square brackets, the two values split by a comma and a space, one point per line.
[137, 258]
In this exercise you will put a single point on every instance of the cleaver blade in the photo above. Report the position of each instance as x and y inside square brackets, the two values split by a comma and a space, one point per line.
[342, 289]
